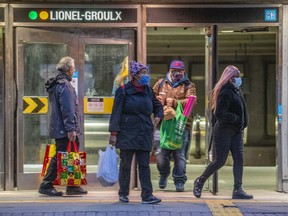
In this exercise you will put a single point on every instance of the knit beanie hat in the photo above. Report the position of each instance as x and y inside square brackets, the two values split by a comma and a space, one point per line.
[135, 67]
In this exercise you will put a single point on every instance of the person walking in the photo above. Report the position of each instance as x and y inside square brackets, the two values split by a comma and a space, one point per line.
[229, 119]
[64, 122]
[176, 86]
[131, 130]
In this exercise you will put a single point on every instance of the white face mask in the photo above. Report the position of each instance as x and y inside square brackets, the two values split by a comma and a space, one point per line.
[238, 81]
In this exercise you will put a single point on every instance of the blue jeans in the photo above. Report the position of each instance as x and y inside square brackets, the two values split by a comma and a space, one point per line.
[163, 159]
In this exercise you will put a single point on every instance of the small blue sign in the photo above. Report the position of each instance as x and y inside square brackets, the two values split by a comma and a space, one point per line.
[279, 113]
[279, 109]
[75, 75]
[270, 15]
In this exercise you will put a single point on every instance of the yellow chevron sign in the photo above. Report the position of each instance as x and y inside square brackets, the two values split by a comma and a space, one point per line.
[35, 105]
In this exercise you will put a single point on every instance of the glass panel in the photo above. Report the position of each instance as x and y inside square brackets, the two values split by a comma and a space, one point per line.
[40, 62]
[255, 53]
[102, 63]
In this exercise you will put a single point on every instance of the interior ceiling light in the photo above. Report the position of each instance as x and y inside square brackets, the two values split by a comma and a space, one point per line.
[252, 29]
[227, 31]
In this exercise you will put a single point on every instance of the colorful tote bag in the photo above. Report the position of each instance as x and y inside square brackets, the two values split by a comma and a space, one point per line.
[71, 167]
[171, 131]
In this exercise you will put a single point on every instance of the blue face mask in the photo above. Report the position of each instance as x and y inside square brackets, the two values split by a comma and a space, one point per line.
[238, 81]
[144, 80]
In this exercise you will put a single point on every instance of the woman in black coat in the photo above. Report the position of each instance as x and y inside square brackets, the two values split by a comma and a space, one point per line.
[131, 129]
[229, 118]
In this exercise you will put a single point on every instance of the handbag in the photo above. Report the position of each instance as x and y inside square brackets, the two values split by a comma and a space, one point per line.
[171, 131]
[71, 167]
[107, 172]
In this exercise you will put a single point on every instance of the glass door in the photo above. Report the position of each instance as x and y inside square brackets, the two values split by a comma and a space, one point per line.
[97, 62]
[101, 60]
[38, 52]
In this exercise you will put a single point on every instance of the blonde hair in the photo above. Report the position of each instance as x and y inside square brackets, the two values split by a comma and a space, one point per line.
[227, 74]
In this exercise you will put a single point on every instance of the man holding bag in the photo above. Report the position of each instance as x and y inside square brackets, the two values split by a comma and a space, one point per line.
[64, 122]
[176, 86]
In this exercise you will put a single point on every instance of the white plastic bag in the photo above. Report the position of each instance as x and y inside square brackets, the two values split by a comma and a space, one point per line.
[107, 172]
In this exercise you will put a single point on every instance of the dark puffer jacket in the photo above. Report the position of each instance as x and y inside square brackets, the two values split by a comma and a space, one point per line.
[63, 106]
[231, 108]
[131, 117]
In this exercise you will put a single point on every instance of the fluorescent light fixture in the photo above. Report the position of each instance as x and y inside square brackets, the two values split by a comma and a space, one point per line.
[227, 31]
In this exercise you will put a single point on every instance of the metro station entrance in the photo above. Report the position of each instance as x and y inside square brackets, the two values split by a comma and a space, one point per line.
[98, 55]
[253, 50]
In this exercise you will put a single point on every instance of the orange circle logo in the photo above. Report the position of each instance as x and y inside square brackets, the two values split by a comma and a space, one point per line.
[43, 15]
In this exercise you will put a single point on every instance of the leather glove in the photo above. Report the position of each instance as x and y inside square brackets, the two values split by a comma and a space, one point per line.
[112, 139]
[72, 136]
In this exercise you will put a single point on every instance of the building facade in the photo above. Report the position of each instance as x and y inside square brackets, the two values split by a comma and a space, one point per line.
[100, 35]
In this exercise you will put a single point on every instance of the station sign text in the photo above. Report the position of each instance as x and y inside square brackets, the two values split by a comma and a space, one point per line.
[80, 15]
[87, 15]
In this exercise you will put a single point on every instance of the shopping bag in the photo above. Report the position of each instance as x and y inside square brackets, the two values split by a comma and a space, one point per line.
[107, 172]
[49, 153]
[71, 167]
[171, 131]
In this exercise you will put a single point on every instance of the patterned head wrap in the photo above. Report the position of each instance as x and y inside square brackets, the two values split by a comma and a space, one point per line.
[135, 67]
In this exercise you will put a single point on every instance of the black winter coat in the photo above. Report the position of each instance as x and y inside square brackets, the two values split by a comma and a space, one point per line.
[131, 117]
[231, 108]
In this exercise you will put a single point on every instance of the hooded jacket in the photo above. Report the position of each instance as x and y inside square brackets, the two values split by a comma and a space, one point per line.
[63, 105]
[178, 91]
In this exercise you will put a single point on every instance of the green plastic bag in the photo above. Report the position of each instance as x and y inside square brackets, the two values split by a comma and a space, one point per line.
[171, 131]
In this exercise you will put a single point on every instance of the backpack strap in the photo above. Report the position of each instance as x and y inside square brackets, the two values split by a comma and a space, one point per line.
[187, 84]
[161, 84]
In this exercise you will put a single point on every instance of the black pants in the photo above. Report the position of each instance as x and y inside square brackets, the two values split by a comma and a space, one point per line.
[226, 139]
[142, 158]
[51, 175]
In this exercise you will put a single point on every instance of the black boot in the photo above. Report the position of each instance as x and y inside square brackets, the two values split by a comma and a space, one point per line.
[241, 194]
[198, 185]
[47, 188]
[75, 190]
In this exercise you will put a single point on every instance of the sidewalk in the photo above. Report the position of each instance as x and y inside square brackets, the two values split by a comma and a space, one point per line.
[105, 203]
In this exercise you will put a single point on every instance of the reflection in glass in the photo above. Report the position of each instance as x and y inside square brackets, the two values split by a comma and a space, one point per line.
[102, 64]
[40, 62]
